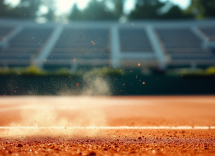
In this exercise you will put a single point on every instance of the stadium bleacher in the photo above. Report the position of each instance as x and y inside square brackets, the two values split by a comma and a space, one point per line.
[4, 31]
[134, 40]
[151, 44]
[80, 45]
[183, 46]
[209, 32]
[26, 45]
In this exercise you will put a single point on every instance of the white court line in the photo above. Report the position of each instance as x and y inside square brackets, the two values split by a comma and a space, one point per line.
[112, 128]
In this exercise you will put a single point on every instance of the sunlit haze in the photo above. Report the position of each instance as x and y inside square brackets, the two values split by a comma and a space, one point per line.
[64, 6]
[182, 3]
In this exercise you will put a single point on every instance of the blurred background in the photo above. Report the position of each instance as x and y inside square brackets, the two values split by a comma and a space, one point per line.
[107, 47]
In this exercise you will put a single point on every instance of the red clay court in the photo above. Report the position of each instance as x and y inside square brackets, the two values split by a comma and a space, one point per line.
[142, 125]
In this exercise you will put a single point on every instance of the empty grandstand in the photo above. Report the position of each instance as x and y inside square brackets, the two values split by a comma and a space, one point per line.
[24, 47]
[209, 32]
[79, 46]
[184, 47]
[4, 31]
[91, 44]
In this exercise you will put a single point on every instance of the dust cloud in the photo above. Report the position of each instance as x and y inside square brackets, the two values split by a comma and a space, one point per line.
[91, 86]
[37, 114]
[95, 86]
[40, 118]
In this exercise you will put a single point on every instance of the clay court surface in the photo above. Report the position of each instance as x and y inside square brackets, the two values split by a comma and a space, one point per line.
[148, 125]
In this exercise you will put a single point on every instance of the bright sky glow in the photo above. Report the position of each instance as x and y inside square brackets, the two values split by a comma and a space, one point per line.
[129, 5]
[182, 3]
[12, 2]
[64, 6]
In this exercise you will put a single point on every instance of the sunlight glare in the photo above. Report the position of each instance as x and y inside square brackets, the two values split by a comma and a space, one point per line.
[65, 5]
[13, 3]
[181, 3]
